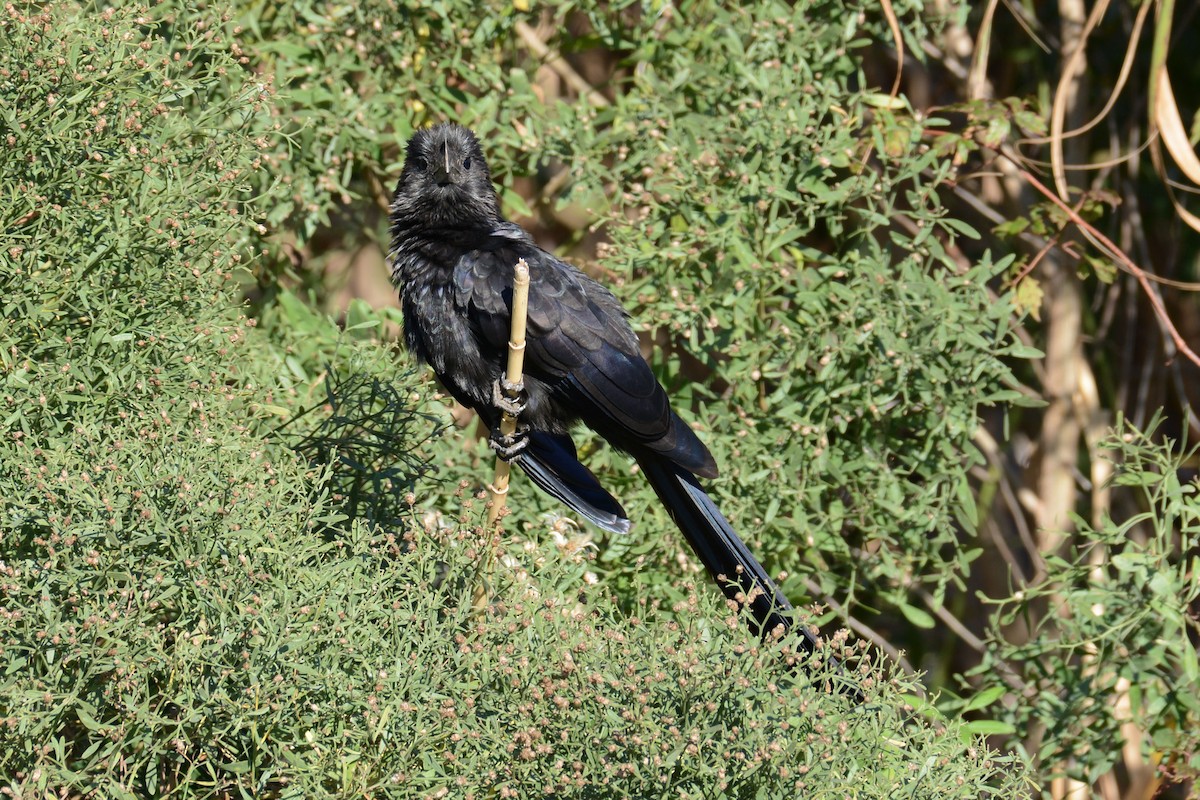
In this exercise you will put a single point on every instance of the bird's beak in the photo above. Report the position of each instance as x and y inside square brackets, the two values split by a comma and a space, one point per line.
[441, 172]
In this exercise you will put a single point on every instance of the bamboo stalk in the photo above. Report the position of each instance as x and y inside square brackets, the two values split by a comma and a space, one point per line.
[514, 375]
[498, 488]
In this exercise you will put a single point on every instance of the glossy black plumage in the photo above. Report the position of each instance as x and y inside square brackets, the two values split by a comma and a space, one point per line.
[452, 257]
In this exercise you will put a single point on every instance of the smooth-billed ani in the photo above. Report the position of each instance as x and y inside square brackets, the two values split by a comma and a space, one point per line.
[452, 257]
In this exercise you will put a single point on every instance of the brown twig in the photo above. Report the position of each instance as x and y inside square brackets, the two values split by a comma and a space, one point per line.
[1118, 255]
[554, 60]
[1006, 672]
[894, 26]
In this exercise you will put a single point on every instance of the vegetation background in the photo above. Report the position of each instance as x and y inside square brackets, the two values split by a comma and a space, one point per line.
[922, 274]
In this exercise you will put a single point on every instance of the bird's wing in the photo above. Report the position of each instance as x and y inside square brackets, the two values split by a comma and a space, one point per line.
[578, 339]
[580, 343]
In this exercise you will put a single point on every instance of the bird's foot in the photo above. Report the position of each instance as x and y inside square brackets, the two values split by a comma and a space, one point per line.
[509, 397]
[510, 446]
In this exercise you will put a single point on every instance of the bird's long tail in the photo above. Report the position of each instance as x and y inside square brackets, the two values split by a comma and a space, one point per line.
[724, 554]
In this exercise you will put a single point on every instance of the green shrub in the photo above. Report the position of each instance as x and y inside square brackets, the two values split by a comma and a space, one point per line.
[1118, 645]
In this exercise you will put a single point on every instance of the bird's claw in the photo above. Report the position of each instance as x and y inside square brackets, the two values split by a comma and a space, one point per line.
[510, 446]
[509, 397]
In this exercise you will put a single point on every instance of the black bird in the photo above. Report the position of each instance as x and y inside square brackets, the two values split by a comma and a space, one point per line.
[453, 257]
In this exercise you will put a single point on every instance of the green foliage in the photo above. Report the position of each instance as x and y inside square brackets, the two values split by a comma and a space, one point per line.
[111, 193]
[191, 608]
[302, 667]
[1118, 643]
[787, 231]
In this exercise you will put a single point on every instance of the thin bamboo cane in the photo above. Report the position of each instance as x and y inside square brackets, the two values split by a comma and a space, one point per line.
[498, 488]
[514, 375]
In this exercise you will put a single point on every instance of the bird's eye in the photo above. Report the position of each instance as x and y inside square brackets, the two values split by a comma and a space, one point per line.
[417, 162]
[466, 163]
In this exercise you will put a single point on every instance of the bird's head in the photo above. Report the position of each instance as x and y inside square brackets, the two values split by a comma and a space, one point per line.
[445, 180]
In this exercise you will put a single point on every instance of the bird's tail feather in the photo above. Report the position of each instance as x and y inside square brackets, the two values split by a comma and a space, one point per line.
[550, 462]
[724, 554]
